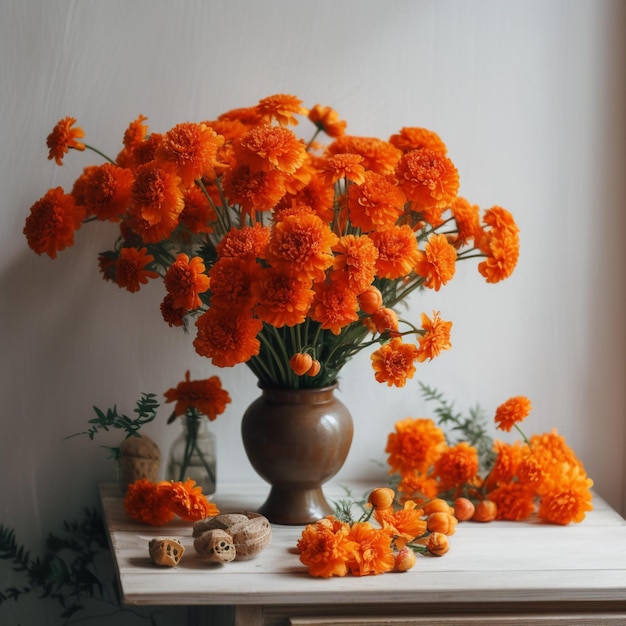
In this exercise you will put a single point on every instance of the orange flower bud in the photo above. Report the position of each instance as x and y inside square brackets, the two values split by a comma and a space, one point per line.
[316, 366]
[437, 505]
[442, 523]
[405, 560]
[301, 363]
[463, 509]
[438, 544]
[486, 511]
[370, 300]
[381, 498]
[385, 319]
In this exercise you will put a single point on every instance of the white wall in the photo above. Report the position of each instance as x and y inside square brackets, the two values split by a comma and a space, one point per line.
[528, 96]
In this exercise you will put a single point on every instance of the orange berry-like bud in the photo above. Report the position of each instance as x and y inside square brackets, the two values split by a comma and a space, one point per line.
[438, 544]
[486, 511]
[437, 505]
[463, 509]
[381, 498]
[442, 523]
[385, 319]
[316, 366]
[370, 300]
[301, 363]
[405, 560]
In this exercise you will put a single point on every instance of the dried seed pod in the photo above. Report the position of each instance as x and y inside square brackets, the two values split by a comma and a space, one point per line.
[215, 546]
[222, 521]
[251, 536]
[165, 551]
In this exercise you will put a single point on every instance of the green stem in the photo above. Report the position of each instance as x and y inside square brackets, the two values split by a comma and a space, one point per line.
[104, 156]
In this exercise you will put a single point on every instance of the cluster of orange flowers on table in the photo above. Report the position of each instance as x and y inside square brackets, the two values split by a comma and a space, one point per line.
[287, 253]
[335, 547]
[539, 475]
[157, 503]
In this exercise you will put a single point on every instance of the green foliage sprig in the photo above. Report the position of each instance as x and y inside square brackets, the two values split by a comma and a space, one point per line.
[146, 409]
[472, 428]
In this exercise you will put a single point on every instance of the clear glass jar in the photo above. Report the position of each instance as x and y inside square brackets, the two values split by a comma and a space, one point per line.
[193, 455]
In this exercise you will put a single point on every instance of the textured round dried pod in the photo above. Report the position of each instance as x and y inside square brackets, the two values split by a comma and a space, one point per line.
[222, 521]
[165, 551]
[215, 546]
[251, 536]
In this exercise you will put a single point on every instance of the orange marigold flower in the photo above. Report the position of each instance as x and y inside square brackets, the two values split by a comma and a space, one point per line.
[417, 485]
[130, 268]
[281, 107]
[327, 120]
[192, 149]
[508, 458]
[268, 147]
[370, 300]
[227, 337]
[253, 191]
[174, 316]
[437, 263]
[300, 363]
[318, 195]
[373, 554]
[197, 215]
[569, 501]
[136, 132]
[139, 153]
[438, 544]
[411, 138]
[502, 252]
[397, 251]
[354, 264]
[442, 522]
[62, 138]
[515, 501]
[303, 244]
[404, 525]
[512, 412]
[184, 280]
[334, 306]
[414, 445]
[281, 299]
[467, 218]
[384, 320]
[107, 191]
[325, 548]
[376, 203]
[146, 503]
[52, 221]
[342, 166]
[456, 466]
[157, 202]
[245, 242]
[435, 339]
[187, 501]
[232, 280]
[378, 155]
[206, 396]
[428, 178]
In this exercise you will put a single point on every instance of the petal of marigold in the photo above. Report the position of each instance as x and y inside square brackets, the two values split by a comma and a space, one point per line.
[62, 138]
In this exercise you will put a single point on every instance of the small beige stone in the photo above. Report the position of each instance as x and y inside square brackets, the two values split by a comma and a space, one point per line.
[166, 551]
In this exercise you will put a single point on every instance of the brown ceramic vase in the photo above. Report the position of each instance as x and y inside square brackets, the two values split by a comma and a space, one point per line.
[296, 440]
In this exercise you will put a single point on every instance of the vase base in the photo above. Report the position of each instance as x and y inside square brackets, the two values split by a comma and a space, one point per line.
[295, 507]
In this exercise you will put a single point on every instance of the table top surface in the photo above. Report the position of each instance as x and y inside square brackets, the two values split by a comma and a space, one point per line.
[496, 562]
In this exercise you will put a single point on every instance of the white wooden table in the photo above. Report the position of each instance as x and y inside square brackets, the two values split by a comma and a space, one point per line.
[496, 573]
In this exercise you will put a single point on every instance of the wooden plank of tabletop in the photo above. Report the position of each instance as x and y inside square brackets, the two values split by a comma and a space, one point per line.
[495, 562]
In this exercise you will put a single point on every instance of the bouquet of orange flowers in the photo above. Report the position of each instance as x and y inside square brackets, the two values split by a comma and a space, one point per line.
[289, 255]
[485, 480]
